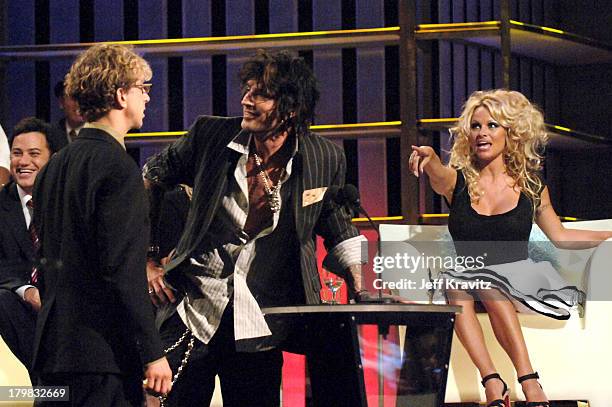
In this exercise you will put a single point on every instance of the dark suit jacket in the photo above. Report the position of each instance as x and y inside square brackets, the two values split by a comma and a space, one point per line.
[92, 216]
[16, 250]
[202, 159]
[59, 137]
[172, 218]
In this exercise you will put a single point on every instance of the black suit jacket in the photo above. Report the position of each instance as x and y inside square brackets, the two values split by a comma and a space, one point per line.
[202, 159]
[172, 218]
[16, 250]
[92, 219]
[59, 137]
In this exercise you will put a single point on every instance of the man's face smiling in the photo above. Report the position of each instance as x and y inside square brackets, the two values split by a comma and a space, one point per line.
[258, 109]
[29, 153]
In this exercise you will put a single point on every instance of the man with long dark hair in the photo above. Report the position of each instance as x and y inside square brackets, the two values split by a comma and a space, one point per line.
[259, 182]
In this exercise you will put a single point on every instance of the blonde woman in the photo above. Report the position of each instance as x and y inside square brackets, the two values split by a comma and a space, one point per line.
[494, 193]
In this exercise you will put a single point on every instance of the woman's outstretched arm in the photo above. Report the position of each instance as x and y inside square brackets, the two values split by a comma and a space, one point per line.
[563, 238]
[441, 178]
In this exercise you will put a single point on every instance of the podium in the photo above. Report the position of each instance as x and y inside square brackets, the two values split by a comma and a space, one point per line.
[329, 335]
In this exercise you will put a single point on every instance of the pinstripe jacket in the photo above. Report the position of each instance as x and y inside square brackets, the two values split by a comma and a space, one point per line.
[202, 159]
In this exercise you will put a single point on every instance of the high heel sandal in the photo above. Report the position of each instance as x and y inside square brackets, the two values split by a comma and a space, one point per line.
[505, 400]
[535, 376]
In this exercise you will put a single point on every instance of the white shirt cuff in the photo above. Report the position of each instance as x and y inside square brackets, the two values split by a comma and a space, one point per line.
[345, 254]
[21, 291]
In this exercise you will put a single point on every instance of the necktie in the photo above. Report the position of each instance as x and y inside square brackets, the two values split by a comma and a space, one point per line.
[72, 135]
[34, 239]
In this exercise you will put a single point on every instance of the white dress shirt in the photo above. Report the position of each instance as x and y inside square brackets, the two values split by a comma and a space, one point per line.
[69, 129]
[24, 197]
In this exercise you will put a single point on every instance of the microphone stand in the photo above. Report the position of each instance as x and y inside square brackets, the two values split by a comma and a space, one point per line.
[357, 208]
[383, 330]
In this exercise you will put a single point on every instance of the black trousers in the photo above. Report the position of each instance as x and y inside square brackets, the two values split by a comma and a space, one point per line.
[17, 325]
[247, 378]
[95, 390]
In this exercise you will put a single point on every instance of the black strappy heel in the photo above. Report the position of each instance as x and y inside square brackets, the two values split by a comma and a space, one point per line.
[505, 400]
[535, 376]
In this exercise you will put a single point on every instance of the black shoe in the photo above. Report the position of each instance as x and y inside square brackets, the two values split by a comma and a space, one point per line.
[532, 376]
[504, 401]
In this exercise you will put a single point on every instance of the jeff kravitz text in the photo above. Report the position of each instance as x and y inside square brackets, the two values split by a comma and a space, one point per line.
[436, 284]
[410, 264]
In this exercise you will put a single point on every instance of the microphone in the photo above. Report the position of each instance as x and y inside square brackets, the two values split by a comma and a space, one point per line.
[349, 196]
[346, 196]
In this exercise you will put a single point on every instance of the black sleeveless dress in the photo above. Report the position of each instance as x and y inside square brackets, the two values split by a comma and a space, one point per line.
[499, 244]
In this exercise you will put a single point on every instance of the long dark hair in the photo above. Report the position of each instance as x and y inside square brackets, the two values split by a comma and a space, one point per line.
[288, 80]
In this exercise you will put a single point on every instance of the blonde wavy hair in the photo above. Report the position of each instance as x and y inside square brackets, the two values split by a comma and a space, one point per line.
[98, 72]
[525, 141]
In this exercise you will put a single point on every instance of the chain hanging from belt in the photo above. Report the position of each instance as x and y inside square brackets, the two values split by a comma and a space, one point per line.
[272, 191]
[187, 333]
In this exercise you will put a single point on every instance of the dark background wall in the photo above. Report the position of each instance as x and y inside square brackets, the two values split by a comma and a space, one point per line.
[588, 18]
[358, 85]
[585, 95]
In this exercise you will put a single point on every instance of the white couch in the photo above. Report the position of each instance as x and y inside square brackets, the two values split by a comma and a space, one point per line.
[12, 373]
[573, 357]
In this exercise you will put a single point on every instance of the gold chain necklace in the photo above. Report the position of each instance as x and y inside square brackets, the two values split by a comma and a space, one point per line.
[272, 191]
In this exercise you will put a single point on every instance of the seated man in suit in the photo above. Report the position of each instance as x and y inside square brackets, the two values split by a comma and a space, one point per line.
[69, 126]
[95, 331]
[19, 298]
[258, 186]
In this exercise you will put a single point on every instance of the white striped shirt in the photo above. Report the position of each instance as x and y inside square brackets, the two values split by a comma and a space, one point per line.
[220, 272]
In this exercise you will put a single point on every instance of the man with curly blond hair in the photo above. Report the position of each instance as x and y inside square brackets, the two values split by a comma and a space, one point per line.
[96, 332]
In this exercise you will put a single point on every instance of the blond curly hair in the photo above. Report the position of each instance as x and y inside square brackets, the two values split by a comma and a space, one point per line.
[525, 141]
[98, 72]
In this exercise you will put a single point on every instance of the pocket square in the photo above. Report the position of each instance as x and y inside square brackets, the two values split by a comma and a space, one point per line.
[313, 196]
